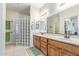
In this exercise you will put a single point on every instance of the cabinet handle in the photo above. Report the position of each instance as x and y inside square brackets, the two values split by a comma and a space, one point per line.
[52, 47]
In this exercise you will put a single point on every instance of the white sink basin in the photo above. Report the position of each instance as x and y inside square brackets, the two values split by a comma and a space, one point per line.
[59, 37]
[70, 39]
[62, 38]
[74, 39]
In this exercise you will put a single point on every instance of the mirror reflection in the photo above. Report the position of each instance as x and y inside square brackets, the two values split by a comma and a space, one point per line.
[62, 22]
[71, 25]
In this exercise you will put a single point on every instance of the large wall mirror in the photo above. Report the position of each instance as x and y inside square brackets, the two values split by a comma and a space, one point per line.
[41, 25]
[71, 25]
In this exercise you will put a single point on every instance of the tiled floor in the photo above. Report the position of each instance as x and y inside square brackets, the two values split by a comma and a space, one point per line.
[13, 50]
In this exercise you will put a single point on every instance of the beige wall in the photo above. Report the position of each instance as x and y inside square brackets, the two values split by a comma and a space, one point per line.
[53, 24]
[10, 14]
[34, 16]
[2, 29]
[59, 20]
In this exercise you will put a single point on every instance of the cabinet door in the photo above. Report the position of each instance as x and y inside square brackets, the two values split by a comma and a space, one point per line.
[44, 50]
[53, 51]
[66, 53]
[44, 39]
[43, 44]
[38, 43]
[34, 41]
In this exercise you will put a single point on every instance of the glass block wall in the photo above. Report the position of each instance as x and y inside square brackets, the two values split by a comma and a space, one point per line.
[23, 31]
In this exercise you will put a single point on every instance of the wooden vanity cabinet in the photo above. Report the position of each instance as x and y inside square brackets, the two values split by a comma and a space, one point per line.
[44, 45]
[69, 50]
[36, 41]
[52, 47]
[59, 48]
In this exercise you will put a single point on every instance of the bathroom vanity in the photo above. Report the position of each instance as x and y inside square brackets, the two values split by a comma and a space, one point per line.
[55, 45]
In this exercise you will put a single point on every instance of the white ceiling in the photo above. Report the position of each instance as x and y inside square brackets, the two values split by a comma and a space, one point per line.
[23, 7]
[17, 5]
[38, 5]
[20, 7]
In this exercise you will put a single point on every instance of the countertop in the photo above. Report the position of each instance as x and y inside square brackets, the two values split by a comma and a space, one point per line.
[58, 37]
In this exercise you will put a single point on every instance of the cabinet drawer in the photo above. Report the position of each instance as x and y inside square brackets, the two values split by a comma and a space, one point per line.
[43, 43]
[44, 50]
[66, 53]
[44, 39]
[36, 37]
[45, 46]
[54, 43]
[53, 51]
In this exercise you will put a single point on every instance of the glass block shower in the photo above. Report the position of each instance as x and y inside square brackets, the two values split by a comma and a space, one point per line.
[23, 31]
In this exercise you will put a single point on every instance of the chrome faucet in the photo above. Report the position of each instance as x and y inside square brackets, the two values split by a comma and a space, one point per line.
[67, 34]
